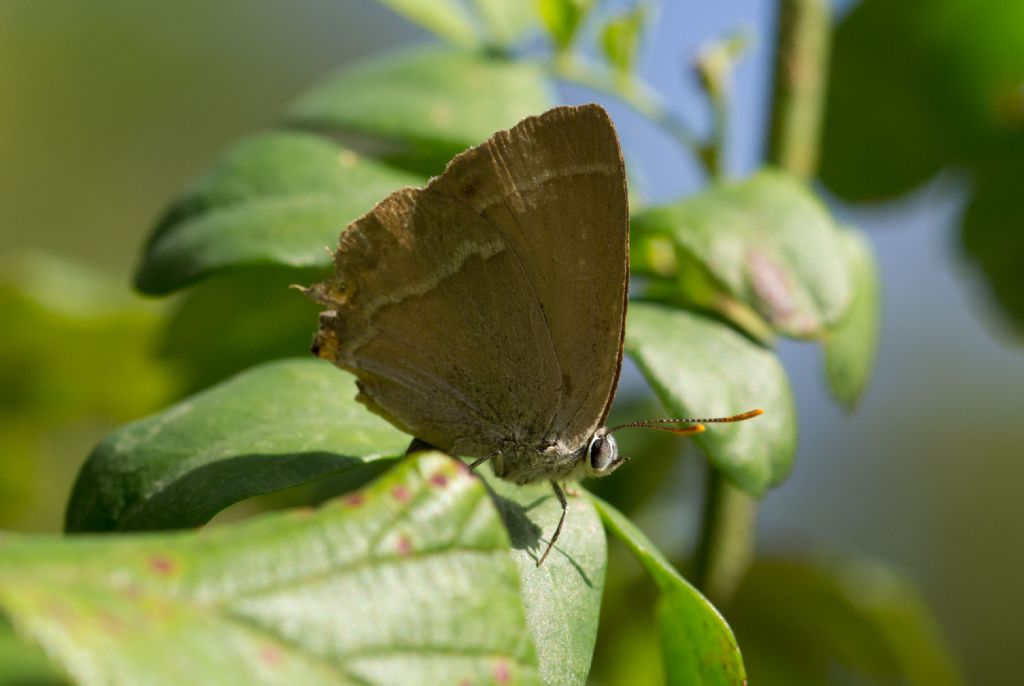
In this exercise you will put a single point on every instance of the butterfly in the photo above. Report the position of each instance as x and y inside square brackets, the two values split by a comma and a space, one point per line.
[485, 312]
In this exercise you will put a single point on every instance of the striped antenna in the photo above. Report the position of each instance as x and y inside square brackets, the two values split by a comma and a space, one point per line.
[698, 423]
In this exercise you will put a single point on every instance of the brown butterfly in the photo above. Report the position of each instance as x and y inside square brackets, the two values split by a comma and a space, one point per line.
[484, 313]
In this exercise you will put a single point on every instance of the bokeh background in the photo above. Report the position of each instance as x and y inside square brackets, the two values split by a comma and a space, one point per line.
[108, 108]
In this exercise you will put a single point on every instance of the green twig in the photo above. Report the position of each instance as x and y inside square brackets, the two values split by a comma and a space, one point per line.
[715, 65]
[800, 72]
[726, 545]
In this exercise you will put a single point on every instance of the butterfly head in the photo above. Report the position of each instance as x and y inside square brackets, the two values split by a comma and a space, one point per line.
[603, 454]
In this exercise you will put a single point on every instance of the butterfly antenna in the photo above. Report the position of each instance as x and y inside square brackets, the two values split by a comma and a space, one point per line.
[698, 423]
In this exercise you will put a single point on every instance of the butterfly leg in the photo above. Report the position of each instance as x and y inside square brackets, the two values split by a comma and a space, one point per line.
[561, 520]
[479, 461]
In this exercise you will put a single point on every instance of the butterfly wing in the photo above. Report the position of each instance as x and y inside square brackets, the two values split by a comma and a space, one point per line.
[555, 187]
[487, 309]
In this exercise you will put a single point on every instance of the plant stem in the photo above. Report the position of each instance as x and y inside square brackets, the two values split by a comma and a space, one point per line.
[800, 64]
[716, 159]
[726, 545]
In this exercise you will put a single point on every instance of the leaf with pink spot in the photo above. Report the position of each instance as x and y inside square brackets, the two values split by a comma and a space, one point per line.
[763, 253]
[344, 594]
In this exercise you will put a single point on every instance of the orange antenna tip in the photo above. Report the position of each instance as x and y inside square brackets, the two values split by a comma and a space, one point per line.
[745, 415]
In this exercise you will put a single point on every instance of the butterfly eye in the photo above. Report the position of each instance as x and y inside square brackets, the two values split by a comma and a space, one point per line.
[604, 453]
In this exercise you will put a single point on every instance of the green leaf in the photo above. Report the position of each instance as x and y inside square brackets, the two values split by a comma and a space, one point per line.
[620, 38]
[699, 367]
[24, 664]
[852, 345]
[436, 101]
[275, 426]
[698, 647]
[407, 582]
[813, 615]
[945, 90]
[49, 305]
[563, 19]
[562, 597]
[445, 18]
[257, 318]
[276, 199]
[882, 146]
[764, 243]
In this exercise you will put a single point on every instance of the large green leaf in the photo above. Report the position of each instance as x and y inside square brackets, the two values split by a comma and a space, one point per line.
[24, 664]
[851, 345]
[280, 198]
[563, 596]
[764, 243]
[944, 90]
[276, 199]
[700, 367]
[883, 145]
[436, 101]
[275, 426]
[446, 18]
[407, 582]
[698, 646]
[257, 318]
[810, 616]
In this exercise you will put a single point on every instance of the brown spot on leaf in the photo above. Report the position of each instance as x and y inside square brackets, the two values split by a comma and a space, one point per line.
[161, 564]
[403, 546]
[354, 499]
[501, 672]
[302, 512]
[439, 479]
[400, 493]
[270, 655]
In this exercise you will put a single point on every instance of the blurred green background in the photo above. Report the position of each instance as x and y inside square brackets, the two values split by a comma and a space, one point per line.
[108, 108]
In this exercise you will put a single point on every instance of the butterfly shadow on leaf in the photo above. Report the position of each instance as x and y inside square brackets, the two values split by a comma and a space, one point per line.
[525, 535]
